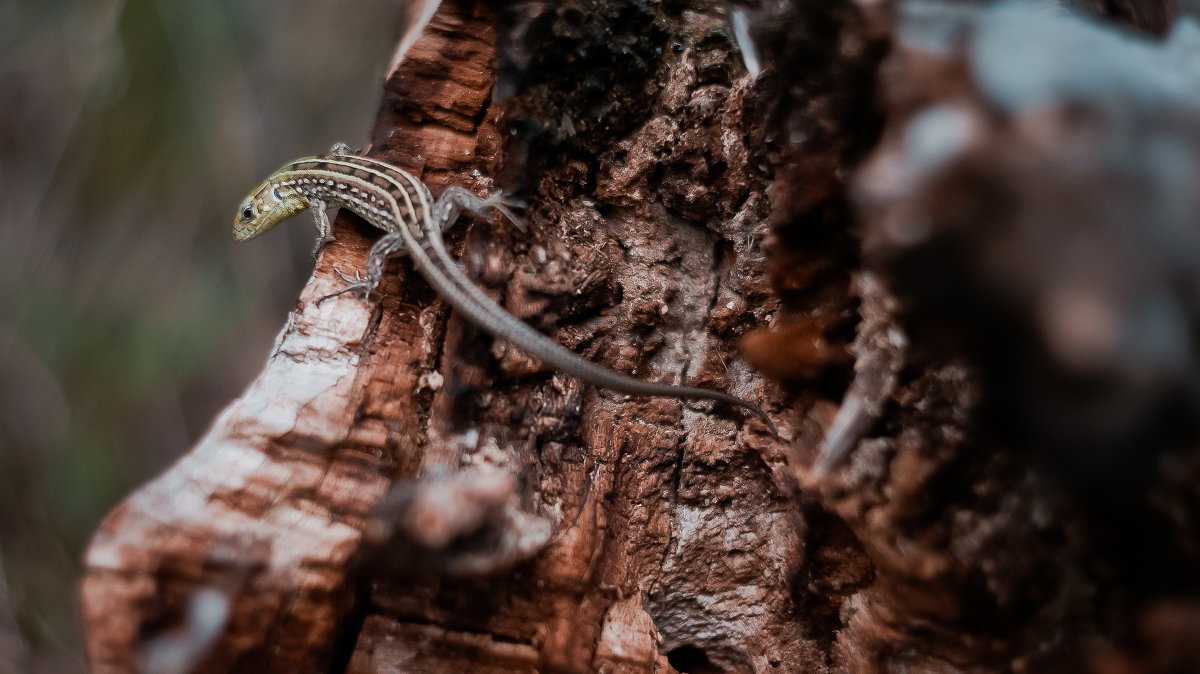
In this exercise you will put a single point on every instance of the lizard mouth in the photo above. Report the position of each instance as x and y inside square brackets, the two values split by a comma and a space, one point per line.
[242, 231]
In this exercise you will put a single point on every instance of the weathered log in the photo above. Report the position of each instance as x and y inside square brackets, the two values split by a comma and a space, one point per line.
[400, 492]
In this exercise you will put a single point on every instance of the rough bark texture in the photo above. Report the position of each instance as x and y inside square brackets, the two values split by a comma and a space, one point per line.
[1018, 498]
[399, 492]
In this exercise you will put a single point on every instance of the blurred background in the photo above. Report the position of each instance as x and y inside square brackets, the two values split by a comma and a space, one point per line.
[129, 132]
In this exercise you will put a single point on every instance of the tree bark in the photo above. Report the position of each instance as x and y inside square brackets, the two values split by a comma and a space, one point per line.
[397, 487]
[401, 492]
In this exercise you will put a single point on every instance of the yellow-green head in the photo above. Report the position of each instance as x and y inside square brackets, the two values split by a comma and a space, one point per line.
[268, 205]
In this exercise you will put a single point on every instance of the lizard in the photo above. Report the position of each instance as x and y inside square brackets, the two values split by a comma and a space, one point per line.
[396, 202]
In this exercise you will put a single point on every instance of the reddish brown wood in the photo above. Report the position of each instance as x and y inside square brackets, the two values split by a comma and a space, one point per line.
[510, 516]
[399, 492]
[269, 508]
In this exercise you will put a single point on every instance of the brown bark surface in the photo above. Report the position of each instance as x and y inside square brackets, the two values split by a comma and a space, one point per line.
[400, 492]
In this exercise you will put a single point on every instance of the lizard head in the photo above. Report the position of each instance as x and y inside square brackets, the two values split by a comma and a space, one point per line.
[268, 205]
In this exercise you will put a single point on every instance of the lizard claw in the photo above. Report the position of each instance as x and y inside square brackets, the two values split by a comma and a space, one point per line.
[505, 205]
[356, 284]
[356, 281]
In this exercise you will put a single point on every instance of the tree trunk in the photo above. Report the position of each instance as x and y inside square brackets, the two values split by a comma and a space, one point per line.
[399, 491]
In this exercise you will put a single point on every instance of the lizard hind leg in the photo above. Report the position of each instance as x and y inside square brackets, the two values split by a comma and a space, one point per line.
[391, 244]
[454, 200]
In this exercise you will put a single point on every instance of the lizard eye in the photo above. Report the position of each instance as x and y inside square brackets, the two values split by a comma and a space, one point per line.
[248, 212]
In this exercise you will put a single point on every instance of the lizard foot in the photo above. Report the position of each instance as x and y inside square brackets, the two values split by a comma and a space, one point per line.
[357, 284]
[454, 200]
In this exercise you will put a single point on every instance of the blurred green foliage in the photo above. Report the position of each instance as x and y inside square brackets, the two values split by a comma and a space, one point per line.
[129, 131]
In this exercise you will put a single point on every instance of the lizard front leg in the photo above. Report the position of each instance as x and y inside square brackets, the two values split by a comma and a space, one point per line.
[324, 227]
[391, 244]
